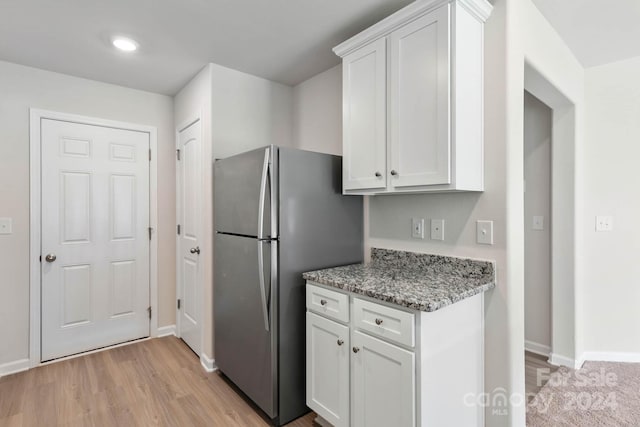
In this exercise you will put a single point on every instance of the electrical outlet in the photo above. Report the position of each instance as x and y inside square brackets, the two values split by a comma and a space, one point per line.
[417, 228]
[437, 229]
[484, 232]
[604, 223]
[538, 223]
[6, 226]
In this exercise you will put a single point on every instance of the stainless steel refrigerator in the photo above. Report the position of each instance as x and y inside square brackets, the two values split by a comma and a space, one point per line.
[278, 212]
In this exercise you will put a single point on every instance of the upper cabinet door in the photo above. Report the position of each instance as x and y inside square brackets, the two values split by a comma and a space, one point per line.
[419, 102]
[364, 117]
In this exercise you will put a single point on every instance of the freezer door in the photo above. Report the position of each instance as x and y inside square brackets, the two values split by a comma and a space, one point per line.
[243, 188]
[243, 312]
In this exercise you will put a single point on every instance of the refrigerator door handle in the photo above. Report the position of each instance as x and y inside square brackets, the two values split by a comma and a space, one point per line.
[263, 191]
[263, 296]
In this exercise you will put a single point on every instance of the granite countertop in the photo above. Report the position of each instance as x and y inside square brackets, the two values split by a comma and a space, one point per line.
[417, 281]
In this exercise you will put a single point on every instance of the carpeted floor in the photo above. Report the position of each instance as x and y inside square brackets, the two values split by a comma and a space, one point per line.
[599, 394]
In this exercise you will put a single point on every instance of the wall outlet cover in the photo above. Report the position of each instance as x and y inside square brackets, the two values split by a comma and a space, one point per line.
[604, 223]
[417, 228]
[437, 229]
[484, 232]
[6, 226]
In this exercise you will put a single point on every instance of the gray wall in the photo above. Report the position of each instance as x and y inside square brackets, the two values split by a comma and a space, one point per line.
[537, 202]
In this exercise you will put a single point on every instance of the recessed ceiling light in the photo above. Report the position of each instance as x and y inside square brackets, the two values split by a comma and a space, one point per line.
[125, 44]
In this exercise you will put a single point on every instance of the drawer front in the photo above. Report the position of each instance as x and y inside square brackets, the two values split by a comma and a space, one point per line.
[328, 303]
[384, 322]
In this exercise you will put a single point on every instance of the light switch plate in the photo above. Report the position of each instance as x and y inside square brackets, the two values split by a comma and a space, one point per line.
[417, 228]
[538, 223]
[484, 232]
[6, 226]
[604, 223]
[437, 229]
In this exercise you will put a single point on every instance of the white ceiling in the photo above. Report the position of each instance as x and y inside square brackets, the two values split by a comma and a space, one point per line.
[282, 40]
[597, 32]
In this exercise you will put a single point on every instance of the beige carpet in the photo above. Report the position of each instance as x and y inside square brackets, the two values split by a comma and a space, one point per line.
[598, 394]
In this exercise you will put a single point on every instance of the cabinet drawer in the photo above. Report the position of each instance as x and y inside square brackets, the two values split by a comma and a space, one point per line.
[384, 322]
[328, 303]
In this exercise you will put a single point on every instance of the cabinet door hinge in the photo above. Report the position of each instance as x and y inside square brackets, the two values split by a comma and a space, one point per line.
[178, 229]
[178, 304]
[149, 154]
[178, 154]
[40, 258]
[150, 231]
[149, 310]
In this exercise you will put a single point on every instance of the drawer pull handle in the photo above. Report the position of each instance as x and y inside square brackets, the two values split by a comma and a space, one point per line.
[323, 302]
[378, 321]
[340, 342]
[356, 349]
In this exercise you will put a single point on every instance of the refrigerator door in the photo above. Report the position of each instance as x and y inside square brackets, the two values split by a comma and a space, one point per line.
[243, 187]
[244, 336]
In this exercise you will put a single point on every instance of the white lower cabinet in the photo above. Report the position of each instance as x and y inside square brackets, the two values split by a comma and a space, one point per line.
[373, 364]
[328, 366]
[383, 383]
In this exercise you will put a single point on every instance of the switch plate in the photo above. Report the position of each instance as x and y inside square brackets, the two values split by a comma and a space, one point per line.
[484, 232]
[538, 223]
[604, 223]
[6, 226]
[437, 229]
[417, 228]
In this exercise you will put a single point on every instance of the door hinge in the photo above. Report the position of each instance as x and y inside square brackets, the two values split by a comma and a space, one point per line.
[178, 154]
[178, 229]
[149, 310]
[149, 155]
[150, 231]
[178, 304]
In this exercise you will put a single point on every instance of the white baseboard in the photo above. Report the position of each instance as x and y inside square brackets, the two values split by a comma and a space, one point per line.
[165, 331]
[559, 360]
[208, 364]
[534, 347]
[611, 356]
[14, 367]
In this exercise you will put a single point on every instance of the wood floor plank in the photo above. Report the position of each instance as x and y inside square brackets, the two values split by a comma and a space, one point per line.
[537, 370]
[157, 382]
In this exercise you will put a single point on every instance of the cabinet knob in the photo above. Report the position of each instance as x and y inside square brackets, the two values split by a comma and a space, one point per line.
[323, 302]
[340, 342]
[378, 321]
[394, 173]
[378, 175]
[356, 349]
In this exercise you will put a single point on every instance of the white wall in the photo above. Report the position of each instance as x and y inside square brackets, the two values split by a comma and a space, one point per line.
[611, 267]
[239, 112]
[22, 88]
[317, 112]
[537, 202]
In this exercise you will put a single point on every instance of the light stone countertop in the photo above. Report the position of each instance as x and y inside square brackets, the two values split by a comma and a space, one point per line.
[417, 281]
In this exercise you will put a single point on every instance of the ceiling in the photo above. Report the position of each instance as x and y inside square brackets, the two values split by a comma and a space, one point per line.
[597, 32]
[287, 41]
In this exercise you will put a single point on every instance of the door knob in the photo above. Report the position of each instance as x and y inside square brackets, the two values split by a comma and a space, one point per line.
[340, 342]
[378, 175]
[50, 257]
[355, 349]
[378, 321]
[195, 250]
[394, 173]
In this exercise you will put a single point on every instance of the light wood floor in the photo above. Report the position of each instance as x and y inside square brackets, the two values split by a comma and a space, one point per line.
[157, 382]
[532, 364]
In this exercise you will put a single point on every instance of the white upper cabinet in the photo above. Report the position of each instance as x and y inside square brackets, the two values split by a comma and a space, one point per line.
[413, 100]
[364, 117]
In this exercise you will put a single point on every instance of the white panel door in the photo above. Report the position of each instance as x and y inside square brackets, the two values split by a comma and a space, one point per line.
[328, 369]
[189, 253]
[383, 383]
[419, 102]
[364, 117]
[95, 239]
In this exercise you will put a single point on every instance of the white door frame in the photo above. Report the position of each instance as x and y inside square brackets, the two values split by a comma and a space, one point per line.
[36, 117]
[193, 118]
